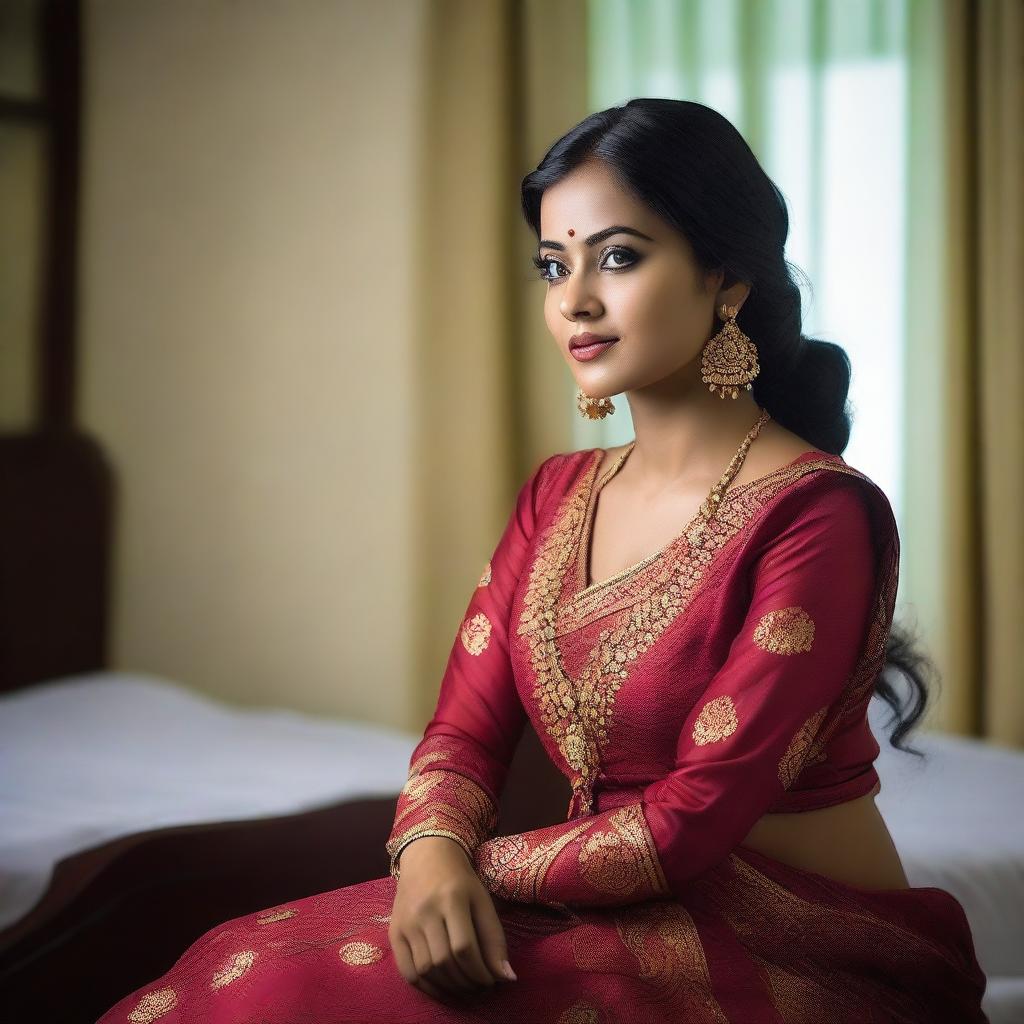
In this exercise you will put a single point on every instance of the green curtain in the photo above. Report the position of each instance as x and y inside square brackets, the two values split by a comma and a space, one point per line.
[892, 128]
[818, 89]
[858, 110]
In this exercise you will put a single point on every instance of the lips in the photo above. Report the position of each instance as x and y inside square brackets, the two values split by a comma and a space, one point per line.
[583, 340]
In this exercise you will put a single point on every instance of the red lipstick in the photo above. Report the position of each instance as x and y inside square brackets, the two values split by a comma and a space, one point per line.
[588, 346]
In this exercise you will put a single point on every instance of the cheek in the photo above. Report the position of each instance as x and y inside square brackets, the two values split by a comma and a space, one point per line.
[556, 323]
[659, 309]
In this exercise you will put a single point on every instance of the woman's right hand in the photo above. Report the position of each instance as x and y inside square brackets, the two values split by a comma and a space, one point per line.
[445, 931]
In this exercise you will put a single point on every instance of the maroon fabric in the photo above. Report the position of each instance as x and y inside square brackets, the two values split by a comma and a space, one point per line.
[721, 679]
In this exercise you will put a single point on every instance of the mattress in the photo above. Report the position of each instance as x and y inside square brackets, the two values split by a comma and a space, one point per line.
[88, 758]
[955, 817]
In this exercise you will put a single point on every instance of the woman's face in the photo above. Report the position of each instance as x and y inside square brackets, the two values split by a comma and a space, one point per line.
[646, 291]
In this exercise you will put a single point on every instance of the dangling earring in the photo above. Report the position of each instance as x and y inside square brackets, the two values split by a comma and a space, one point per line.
[593, 408]
[730, 357]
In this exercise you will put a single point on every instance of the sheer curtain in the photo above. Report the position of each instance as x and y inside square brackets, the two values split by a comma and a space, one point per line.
[818, 90]
[892, 128]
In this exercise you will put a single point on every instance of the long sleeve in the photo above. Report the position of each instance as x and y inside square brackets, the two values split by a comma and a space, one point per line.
[744, 741]
[457, 771]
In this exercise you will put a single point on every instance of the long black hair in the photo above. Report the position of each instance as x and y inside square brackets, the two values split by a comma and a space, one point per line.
[692, 167]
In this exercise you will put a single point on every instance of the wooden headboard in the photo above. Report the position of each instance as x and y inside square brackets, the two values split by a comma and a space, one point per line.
[56, 487]
[56, 529]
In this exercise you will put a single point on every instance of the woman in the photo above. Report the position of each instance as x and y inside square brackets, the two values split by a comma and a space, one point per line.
[704, 689]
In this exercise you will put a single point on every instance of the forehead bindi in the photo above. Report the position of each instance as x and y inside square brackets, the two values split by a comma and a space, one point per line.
[572, 231]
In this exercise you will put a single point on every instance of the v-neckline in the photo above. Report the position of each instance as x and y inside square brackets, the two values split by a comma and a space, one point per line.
[595, 486]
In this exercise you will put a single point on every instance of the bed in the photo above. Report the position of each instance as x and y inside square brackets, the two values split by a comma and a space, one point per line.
[956, 820]
[127, 796]
[129, 813]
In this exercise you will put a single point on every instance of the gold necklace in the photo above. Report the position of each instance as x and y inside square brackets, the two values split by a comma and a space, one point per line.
[708, 507]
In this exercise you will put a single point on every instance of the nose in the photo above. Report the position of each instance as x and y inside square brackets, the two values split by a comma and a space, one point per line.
[578, 300]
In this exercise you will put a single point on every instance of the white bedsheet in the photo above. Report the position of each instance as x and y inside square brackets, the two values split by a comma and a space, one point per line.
[93, 757]
[89, 758]
[956, 819]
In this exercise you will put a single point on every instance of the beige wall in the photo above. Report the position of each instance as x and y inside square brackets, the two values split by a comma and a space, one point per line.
[249, 186]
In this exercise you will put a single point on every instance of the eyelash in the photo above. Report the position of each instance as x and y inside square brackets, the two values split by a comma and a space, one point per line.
[543, 262]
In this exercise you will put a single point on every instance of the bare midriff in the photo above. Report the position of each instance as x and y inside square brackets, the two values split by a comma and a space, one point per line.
[848, 842]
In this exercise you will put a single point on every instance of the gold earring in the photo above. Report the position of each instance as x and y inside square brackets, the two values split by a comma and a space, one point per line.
[593, 408]
[730, 357]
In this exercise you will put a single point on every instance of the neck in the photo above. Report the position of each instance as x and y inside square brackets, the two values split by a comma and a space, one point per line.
[685, 432]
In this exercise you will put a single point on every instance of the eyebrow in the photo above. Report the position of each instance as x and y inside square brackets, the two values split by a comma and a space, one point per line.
[598, 236]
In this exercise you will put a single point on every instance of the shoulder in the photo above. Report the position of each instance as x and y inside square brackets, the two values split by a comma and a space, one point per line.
[828, 498]
[555, 475]
[562, 465]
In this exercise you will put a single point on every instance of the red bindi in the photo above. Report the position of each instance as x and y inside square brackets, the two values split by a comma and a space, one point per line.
[571, 232]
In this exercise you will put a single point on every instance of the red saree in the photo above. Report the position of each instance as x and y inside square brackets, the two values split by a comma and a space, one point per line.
[725, 677]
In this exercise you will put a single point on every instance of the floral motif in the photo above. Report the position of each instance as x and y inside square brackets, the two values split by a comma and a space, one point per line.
[514, 869]
[485, 576]
[785, 631]
[716, 721]
[623, 860]
[359, 954]
[476, 633]
[239, 964]
[663, 938]
[580, 1013]
[153, 1005]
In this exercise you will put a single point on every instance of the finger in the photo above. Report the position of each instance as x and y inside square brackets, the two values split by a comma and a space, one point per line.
[428, 988]
[422, 962]
[445, 972]
[465, 945]
[407, 968]
[493, 946]
[403, 958]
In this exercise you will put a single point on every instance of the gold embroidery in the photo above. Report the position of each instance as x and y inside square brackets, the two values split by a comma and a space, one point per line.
[663, 938]
[152, 1005]
[359, 954]
[485, 576]
[580, 1013]
[763, 913]
[278, 915]
[424, 759]
[793, 759]
[240, 963]
[785, 631]
[577, 713]
[514, 870]
[716, 721]
[461, 809]
[624, 859]
[476, 633]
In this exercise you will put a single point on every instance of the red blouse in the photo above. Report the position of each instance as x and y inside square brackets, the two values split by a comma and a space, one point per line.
[725, 677]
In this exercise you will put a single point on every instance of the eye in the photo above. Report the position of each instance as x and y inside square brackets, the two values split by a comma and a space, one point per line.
[617, 252]
[542, 264]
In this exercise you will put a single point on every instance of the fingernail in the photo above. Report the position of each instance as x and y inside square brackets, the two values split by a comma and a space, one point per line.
[507, 968]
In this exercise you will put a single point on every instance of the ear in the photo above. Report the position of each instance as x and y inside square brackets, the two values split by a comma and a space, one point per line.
[734, 295]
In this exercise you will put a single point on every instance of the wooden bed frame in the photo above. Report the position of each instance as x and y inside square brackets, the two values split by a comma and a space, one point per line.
[116, 916]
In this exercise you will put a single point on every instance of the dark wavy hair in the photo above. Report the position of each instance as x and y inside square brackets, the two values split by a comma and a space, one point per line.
[692, 167]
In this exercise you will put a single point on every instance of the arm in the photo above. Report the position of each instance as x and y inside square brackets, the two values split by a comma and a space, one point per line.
[457, 771]
[742, 744]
